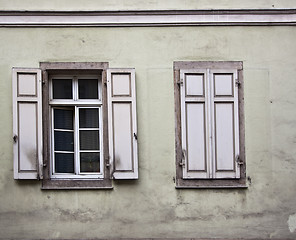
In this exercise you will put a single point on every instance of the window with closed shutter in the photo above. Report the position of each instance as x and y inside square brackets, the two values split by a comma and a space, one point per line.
[209, 124]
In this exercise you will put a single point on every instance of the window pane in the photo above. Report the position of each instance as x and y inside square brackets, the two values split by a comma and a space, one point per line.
[88, 89]
[63, 141]
[63, 119]
[64, 162]
[62, 88]
[89, 162]
[89, 118]
[89, 140]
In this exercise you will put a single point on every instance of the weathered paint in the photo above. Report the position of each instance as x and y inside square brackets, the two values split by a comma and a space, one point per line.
[151, 206]
[292, 223]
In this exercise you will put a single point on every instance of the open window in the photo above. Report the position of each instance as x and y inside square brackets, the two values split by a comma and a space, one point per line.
[209, 125]
[75, 125]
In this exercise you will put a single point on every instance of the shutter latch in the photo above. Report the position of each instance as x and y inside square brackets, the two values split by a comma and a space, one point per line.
[238, 83]
[238, 160]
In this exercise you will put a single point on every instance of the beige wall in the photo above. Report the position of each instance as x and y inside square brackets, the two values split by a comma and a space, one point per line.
[151, 206]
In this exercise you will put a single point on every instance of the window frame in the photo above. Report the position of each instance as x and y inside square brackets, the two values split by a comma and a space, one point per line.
[208, 183]
[73, 68]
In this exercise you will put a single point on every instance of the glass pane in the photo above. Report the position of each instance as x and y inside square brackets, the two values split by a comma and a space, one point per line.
[63, 141]
[89, 140]
[64, 162]
[62, 88]
[89, 162]
[88, 88]
[89, 118]
[63, 119]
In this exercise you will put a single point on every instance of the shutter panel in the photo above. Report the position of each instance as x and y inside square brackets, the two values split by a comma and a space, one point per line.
[225, 125]
[27, 123]
[122, 123]
[195, 123]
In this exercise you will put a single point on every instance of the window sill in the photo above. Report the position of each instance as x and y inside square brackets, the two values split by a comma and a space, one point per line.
[57, 184]
[211, 184]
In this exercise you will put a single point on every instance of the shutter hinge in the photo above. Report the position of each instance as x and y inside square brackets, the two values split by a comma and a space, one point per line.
[107, 162]
[180, 82]
[15, 138]
[238, 83]
[182, 163]
[238, 160]
[135, 136]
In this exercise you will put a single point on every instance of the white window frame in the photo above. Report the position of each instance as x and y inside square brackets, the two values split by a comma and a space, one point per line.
[77, 104]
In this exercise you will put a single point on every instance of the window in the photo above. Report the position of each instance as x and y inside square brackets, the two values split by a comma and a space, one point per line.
[209, 125]
[75, 125]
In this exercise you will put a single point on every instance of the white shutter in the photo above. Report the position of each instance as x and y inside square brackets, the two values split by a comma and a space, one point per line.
[27, 123]
[225, 123]
[195, 123]
[122, 123]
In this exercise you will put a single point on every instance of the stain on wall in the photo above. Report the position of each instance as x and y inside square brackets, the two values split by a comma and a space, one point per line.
[292, 223]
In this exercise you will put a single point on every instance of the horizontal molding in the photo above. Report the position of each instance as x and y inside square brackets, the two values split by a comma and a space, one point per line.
[168, 238]
[148, 18]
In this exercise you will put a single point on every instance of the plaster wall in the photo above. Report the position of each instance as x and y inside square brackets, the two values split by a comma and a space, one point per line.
[151, 206]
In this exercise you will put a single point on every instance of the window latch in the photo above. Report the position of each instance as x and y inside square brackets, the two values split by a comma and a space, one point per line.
[238, 160]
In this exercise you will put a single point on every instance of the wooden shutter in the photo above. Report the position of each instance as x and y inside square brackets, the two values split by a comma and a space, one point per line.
[122, 123]
[195, 123]
[225, 123]
[27, 123]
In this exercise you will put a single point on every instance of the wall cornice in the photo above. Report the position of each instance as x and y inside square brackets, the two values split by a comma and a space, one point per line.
[267, 17]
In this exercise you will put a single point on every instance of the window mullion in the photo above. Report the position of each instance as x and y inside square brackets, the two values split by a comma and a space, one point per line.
[76, 133]
[75, 88]
[211, 129]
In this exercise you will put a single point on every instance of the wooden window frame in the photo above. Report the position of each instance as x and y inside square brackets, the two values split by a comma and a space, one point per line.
[72, 68]
[208, 183]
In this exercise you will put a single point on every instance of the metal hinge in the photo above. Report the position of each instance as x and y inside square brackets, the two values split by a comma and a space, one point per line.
[238, 83]
[15, 138]
[238, 160]
[182, 163]
[107, 162]
[180, 82]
